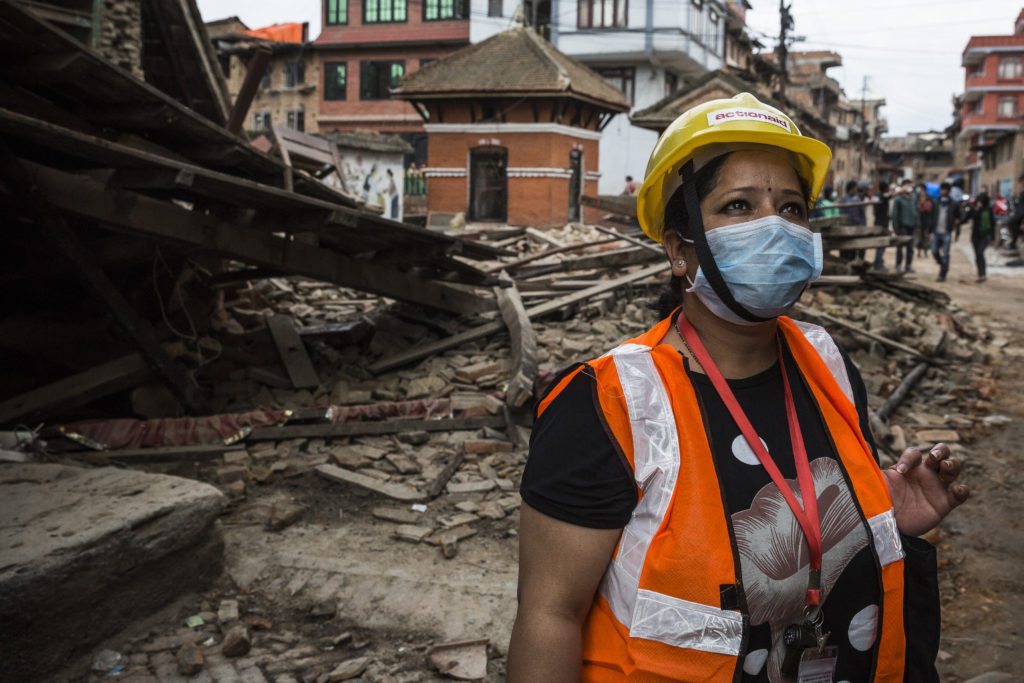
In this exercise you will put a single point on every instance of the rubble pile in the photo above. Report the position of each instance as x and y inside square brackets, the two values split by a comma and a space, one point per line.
[326, 434]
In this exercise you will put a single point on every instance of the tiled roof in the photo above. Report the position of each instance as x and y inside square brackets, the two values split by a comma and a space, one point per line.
[517, 61]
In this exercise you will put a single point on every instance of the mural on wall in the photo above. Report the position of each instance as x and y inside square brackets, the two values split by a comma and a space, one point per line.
[375, 179]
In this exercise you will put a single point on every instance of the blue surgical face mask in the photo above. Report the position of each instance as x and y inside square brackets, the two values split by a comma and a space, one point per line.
[766, 263]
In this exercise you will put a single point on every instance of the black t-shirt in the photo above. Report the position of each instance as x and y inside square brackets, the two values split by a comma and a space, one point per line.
[577, 473]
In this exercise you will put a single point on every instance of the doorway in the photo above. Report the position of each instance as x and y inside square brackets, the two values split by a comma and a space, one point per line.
[488, 184]
[575, 184]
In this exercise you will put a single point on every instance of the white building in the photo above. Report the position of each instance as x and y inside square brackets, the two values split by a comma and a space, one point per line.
[646, 47]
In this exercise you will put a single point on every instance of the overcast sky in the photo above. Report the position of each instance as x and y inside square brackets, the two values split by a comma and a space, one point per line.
[909, 49]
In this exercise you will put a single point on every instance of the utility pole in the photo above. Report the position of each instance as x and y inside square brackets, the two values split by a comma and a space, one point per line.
[863, 128]
[785, 26]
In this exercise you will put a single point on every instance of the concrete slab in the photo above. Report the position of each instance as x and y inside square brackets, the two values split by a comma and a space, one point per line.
[83, 552]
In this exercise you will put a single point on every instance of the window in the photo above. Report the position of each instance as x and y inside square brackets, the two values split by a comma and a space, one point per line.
[623, 78]
[712, 32]
[975, 106]
[427, 60]
[297, 120]
[377, 78]
[225, 63]
[1007, 107]
[335, 80]
[494, 8]
[261, 120]
[384, 11]
[671, 82]
[294, 73]
[978, 69]
[434, 10]
[601, 13]
[337, 12]
[267, 79]
[1009, 68]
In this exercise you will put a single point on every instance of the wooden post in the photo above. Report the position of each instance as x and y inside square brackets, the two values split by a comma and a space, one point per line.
[253, 75]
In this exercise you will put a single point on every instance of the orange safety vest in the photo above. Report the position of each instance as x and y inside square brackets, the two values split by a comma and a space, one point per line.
[657, 615]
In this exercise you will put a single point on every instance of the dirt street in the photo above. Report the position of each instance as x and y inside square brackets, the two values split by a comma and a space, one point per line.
[981, 549]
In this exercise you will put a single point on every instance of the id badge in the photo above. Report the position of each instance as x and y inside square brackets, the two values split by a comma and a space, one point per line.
[817, 666]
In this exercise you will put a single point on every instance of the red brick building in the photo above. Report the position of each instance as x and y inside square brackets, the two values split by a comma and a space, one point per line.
[367, 46]
[513, 127]
[991, 132]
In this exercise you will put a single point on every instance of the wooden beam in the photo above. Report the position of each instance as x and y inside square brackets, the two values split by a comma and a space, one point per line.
[523, 374]
[77, 390]
[136, 213]
[293, 352]
[537, 311]
[131, 456]
[544, 254]
[885, 341]
[902, 391]
[643, 243]
[617, 258]
[56, 230]
[375, 427]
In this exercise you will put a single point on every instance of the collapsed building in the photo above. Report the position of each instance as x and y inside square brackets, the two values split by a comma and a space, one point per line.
[250, 421]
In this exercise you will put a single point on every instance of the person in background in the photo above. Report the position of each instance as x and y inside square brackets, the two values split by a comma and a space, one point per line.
[983, 228]
[947, 218]
[630, 188]
[905, 222]
[825, 207]
[882, 220]
[852, 215]
[1017, 217]
[926, 222]
[956, 191]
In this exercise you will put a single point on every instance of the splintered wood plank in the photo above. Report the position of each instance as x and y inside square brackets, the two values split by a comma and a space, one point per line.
[293, 352]
[396, 491]
[524, 346]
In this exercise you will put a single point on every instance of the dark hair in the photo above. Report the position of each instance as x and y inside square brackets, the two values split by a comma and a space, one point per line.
[944, 185]
[983, 199]
[629, 177]
[883, 186]
[851, 185]
[677, 219]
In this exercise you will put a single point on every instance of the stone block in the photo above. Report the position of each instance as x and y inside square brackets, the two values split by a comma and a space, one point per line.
[88, 551]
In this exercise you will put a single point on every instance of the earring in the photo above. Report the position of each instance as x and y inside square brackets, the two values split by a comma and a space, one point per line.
[681, 263]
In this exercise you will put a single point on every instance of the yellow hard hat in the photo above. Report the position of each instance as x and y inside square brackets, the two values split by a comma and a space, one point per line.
[742, 119]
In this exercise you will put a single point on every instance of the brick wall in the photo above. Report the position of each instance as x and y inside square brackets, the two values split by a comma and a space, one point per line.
[279, 99]
[537, 201]
[353, 113]
[120, 34]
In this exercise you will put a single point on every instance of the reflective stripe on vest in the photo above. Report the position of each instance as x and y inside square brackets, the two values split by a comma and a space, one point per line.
[657, 616]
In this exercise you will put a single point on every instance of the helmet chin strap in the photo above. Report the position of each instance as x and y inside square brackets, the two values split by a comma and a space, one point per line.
[704, 256]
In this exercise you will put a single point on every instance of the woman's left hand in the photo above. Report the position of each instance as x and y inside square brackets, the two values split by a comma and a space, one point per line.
[923, 488]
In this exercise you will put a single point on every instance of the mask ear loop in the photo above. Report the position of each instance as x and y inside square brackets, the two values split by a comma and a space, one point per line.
[700, 242]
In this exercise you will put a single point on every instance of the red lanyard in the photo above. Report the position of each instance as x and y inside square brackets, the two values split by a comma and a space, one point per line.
[807, 516]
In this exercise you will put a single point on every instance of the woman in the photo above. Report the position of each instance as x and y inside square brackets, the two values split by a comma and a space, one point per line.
[983, 229]
[663, 533]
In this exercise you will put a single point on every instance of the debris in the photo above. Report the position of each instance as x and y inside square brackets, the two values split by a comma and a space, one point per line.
[992, 677]
[933, 436]
[397, 515]
[379, 427]
[284, 513]
[227, 613]
[486, 446]
[325, 609]
[897, 397]
[396, 491]
[190, 659]
[814, 313]
[293, 352]
[349, 669]
[444, 476]
[237, 641]
[481, 486]
[412, 533]
[194, 621]
[109, 662]
[464, 660]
